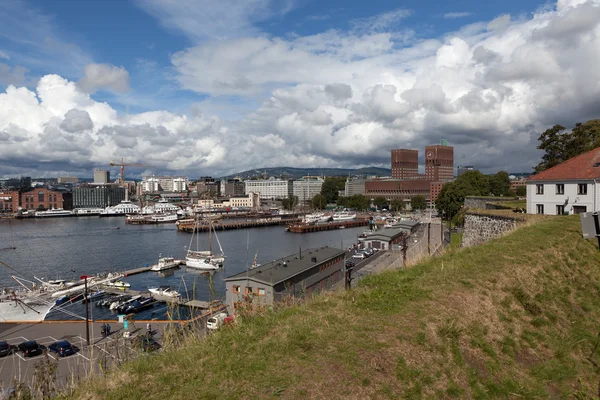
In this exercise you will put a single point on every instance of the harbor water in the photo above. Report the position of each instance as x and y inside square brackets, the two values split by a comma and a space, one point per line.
[67, 248]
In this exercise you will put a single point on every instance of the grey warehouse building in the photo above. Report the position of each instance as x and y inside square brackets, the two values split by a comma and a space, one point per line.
[301, 274]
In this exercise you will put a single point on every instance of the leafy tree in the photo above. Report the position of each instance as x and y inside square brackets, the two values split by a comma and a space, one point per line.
[499, 184]
[418, 202]
[319, 202]
[559, 145]
[290, 202]
[358, 202]
[342, 201]
[397, 205]
[521, 191]
[478, 183]
[452, 197]
[330, 190]
[380, 202]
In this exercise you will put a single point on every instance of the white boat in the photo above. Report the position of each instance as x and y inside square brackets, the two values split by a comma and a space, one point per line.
[123, 208]
[118, 284]
[55, 212]
[204, 259]
[165, 263]
[117, 304]
[26, 303]
[163, 218]
[161, 207]
[315, 218]
[344, 216]
[83, 212]
[164, 291]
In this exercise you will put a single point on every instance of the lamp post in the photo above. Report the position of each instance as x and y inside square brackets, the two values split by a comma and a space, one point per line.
[87, 310]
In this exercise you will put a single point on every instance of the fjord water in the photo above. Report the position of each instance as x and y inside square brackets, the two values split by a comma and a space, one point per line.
[66, 248]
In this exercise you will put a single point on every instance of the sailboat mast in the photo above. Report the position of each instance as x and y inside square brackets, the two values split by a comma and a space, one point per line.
[210, 228]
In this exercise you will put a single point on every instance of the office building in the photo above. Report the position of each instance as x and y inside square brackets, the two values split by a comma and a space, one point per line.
[405, 163]
[439, 163]
[270, 188]
[9, 201]
[307, 187]
[41, 199]
[93, 196]
[68, 179]
[101, 176]
[354, 186]
[232, 188]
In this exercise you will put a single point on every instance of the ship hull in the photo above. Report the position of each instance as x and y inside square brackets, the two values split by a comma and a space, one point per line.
[28, 310]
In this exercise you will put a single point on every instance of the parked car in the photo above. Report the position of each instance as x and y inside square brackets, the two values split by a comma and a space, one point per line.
[359, 255]
[6, 349]
[368, 251]
[31, 348]
[62, 348]
[146, 343]
[216, 321]
[350, 264]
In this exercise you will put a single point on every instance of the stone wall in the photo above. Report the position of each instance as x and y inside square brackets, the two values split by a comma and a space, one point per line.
[479, 228]
[482, 202]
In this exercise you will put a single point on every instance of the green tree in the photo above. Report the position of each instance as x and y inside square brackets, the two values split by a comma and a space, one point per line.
[342, 201]
[380, 202]
[290, 202]
[499, 184]
[478, 183]
[358, 202]
[418, 202]
[319, 202]
[452, 197]
[521, 191]
[330, 190]
[397, 205]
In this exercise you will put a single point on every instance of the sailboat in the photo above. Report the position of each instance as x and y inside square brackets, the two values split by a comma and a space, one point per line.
[204, 259]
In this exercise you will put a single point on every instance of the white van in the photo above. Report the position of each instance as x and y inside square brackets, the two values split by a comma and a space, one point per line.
[216, 321]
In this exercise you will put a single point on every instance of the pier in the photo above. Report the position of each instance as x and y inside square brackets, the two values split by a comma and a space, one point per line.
[136, 271]
[180, 301]
[225, 226]
[305, 228]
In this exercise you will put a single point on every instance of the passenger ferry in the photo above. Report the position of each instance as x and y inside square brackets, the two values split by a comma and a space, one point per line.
[55, 212]
[123, 208]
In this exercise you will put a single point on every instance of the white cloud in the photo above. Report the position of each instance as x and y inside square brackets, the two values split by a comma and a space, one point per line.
[104, 76]
[12, 75]
[457, 14]
[4, 55]
[381, 22]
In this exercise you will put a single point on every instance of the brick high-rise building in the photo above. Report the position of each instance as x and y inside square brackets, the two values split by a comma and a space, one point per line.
[439, 163]
[405, 163]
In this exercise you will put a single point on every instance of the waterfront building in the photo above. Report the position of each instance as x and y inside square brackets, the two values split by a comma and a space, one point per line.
[570, 187]
[270, 188]
[208, 186]
[405, 163]
[439, 163]
[68, 179]
[295, 276]
[251, 200]
[354, 186]
[307, 187]
[91, 196]
[385, 239]
[150, 184]
[41, 199]
[21, 184]
[101, 176]
[9, 201]
[170, 184]
[397, 188]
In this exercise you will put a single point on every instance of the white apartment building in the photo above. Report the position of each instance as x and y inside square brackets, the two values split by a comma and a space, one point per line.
[252, 200]
[354, 186]
[307, 187]
[572, 187]
[154, 184]
[270, 188]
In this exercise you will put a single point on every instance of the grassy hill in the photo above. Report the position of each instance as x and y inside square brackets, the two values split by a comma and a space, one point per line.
[293, 173]
[518, 317]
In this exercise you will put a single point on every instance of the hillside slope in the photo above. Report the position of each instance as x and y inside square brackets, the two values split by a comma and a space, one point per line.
[293, 173]
[518, 317]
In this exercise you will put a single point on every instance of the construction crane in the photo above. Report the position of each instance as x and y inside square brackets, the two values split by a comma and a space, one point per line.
[123, 165]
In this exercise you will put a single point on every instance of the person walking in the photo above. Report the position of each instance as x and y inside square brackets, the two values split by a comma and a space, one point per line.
[148, 327]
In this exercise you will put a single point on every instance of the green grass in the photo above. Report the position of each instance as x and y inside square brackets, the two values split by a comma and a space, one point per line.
[511, 204]
[455, 241]
[513, 318]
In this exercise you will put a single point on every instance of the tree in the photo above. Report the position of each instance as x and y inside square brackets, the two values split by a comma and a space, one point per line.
[452, 197]
[319, 202]
[478, 183]
[397, 205]
[342, 201]
[358, 202]
[418, 202]
[380, 202]
[521, 191]
[499, 184]
[330, 190]
[290, 202]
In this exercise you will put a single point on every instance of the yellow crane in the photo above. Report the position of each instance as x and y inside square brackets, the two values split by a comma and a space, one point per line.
[122, 165]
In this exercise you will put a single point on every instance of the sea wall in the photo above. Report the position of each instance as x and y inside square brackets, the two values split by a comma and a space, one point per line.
[479, 228]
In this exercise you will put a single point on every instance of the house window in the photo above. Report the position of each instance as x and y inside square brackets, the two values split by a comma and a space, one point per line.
[41, 197]
[560, 210]
[248, 290]
[582, 188]
[539, 189]
[236, 289]
[261, 292]
[560, 188]
[540, 208]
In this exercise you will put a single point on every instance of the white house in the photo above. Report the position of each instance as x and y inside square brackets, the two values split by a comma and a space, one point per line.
[572, 187]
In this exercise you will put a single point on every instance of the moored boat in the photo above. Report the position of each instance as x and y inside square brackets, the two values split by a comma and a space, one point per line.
[165, 263]
[164, 291]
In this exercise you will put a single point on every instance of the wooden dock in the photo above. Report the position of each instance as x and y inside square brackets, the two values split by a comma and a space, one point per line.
[306, 228]
[165, 299]
[224, 226]
[136, 271]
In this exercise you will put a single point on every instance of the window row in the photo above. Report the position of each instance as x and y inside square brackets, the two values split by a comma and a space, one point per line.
[249, 290]
[560, 188]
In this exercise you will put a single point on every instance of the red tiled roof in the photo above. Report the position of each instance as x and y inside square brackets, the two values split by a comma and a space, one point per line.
[579, 167]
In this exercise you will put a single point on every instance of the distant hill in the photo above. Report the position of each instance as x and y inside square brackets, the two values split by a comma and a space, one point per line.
[300, 172]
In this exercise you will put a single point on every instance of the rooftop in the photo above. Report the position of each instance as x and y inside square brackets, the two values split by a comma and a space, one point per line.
[386, 234]
[583, 166]
[284, 268]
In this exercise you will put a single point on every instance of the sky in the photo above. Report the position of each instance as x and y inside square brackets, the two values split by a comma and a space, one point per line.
[199, 87]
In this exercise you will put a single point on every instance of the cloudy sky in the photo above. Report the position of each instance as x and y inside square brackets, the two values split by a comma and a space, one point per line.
[206, 87]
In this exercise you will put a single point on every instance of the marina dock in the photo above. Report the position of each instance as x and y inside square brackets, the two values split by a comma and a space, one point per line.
[205, 305]
[306, 228]
[224, 226]
[136, 271]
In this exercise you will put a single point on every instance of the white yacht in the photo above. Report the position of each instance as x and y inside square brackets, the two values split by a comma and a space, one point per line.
[164, 291]
[55, 212]
[163, 218]
[162, 207]
[123, 208]
[204, 259]
[165, 263]
[83, 212]
[25, 304]
[315, 218]
[344, 216]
